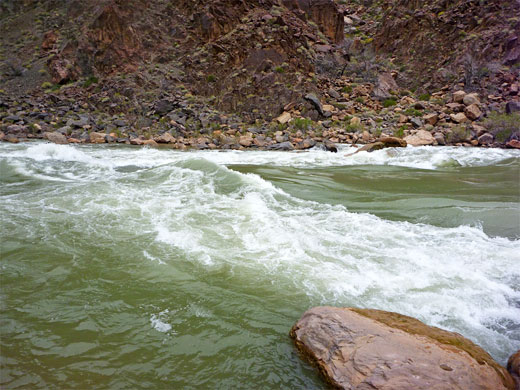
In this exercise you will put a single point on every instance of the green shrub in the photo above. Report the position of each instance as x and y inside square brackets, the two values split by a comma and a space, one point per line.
[279, 69]
[210, 78]
[347, 89]
[502, 125]
[46, 85]
[424, 97]
[399, 132]
[413, 112]
[389, 102]
[302, 123]
[91, 80]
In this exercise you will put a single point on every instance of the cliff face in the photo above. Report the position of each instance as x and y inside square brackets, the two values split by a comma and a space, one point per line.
[258, 58]
[450, 40]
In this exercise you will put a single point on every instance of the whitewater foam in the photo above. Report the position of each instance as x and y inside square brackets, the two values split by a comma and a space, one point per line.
[190, 206]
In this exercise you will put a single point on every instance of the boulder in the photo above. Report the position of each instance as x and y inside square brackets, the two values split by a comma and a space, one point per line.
[330, 146]
[97, 138]
[515, 144]
[471, 98]
[512, 107]
[473, 112]
[458, 96]
[315, 102]
[416, 122]
[284, 118]
[371, 147]
[355, 121]
[513, 366]
[393, 142]
[281, 146]
[150, 142]
[431, 119]
[55, 137]
[333, 93]
[385, 85]
[459, 117]
[245, 141]
[485, 139]
[11, 138]
[420, 138]
[165, 138]
[373, 349]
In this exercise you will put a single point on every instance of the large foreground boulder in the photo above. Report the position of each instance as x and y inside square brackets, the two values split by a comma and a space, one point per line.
[373, 349]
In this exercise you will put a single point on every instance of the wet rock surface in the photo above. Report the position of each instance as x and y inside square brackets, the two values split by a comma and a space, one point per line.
[372, 349]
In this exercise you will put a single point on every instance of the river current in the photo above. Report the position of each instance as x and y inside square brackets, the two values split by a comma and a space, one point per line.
[126, 267]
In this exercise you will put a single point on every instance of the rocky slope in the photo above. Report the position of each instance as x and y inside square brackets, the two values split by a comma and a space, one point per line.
[234, 73]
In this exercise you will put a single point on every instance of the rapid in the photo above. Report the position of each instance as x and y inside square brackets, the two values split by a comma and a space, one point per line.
[127, 267]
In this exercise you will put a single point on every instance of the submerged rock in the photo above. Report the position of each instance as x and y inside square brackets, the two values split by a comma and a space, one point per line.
[373, 349]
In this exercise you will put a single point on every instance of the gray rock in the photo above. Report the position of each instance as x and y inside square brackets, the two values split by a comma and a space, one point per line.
[416, 122]
[315, 102]
[281, 146]
[512, 107]
[12, 118]
[485, 139]
[330, 146]
[385, 86]
[163, 106]
[333, 93]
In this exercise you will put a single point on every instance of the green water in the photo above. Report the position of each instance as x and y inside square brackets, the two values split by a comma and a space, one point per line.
[139, 268]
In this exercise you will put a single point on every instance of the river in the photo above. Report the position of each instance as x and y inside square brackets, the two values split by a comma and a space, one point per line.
[125, 267]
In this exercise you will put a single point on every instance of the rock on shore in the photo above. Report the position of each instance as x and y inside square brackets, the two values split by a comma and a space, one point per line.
[373, 349]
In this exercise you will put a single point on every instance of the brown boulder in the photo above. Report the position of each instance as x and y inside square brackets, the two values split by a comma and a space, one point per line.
[393, 142]
[55, 137]
[473, 112]
[165, 138]
[514, 143]
[97, 138]
[150, 142]
[11, 138]
[373, 349]
[420, 138]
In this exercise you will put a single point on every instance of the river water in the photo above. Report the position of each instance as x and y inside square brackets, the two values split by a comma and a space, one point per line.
[140, 268]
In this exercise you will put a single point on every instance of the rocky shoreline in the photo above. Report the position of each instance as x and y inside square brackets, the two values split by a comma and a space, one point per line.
[373, 349]
[444, 119]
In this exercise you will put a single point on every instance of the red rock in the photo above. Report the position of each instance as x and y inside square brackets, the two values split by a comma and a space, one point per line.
[49, 40]
[514, 143]
[373, 349]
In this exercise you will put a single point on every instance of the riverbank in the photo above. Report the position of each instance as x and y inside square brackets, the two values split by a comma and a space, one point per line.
[457, 119]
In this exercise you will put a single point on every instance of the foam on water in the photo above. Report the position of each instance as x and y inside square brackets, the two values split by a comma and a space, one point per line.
[158, 323]
[427, 157]
[190, 203]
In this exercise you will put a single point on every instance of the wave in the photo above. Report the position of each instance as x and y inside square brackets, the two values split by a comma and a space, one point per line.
[426, 157]
[190, 206]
